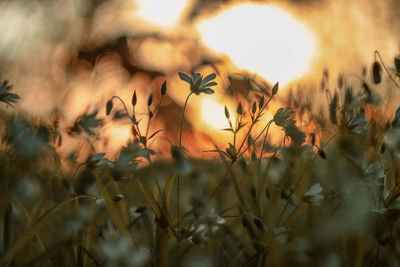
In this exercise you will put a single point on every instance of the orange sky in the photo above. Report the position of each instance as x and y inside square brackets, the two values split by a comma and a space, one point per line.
[281, 41]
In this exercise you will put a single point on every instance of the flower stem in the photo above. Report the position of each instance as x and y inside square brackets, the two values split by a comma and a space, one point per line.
[183, 116]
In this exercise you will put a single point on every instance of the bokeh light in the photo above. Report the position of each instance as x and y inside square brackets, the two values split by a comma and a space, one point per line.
[162, 13]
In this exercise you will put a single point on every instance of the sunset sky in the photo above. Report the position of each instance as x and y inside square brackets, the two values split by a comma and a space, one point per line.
[285, 41]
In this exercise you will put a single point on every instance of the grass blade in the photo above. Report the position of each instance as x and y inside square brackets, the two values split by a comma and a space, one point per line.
[110, 204]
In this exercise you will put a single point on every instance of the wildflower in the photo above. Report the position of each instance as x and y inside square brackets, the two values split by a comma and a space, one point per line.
[207, 226]
[198, 84]
[281, 234]
[358, 124]
[281, 117]
[97, 161]
[375, 173]
[121, 252]
[126, 164]
[313, 195]
[86, 123]
[6, 96]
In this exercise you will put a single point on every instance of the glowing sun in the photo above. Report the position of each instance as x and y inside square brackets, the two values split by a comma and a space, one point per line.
[262, 39]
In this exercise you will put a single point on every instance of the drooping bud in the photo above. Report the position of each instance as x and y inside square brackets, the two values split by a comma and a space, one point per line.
[275, 89]
[227, 112]
[340, 81]
[239, 109]
[109, 107]
[164, 88]
[134, 99]
[321, 153]
[313, 139]
[333, 108]
[397, 63]
[150, 100]
[376, 72]
[261, 103]
[254, 108]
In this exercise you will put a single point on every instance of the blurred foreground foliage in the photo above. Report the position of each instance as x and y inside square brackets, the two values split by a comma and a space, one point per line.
[326, 197]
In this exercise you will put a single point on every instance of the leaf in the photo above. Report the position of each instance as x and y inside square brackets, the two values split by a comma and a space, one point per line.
[110, 204]
[150, 199]
[109, 107]
[167, 190]
[228, 129]
[184, 77]
[367, 90]
[241, 125]
[260, 225]
[231, 151]
[155, 133]
[297, 136]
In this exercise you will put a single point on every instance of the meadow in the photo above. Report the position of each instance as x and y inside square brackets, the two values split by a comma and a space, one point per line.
[325, 195]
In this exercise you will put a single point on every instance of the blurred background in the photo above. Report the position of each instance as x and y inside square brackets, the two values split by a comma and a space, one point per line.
[68, 57]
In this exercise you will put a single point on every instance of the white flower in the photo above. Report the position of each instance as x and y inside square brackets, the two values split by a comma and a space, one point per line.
[281, 117]
[121, 252]
[375, 173]
[313, 195]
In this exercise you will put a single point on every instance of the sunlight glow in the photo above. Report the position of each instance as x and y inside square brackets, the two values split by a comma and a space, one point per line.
[161, 12]
[261, 39]
[212, 113]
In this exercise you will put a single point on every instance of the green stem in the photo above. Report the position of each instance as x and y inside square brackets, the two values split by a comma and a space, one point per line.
[183, 116]
[127, 112]
[253, 122]
[260, 185]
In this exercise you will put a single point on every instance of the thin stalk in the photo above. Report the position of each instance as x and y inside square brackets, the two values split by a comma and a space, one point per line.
[127, 112]
[123, 103]
[183, 116]
[384, 66]
[151, 117]
[260, 186]
[252, 124]
[255, 139]
[178, 177]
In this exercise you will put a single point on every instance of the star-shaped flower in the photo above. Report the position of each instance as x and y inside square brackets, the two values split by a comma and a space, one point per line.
[198, 84]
